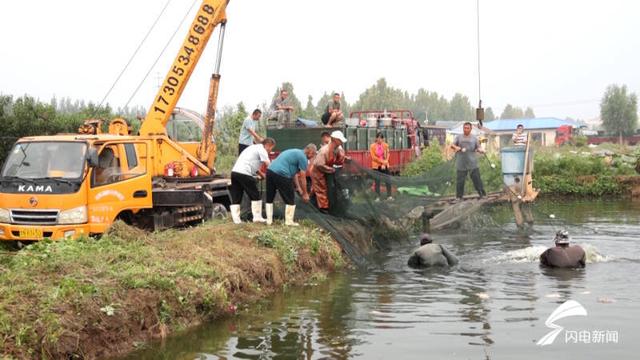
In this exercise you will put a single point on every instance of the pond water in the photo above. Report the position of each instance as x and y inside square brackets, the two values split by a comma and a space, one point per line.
[492, 306]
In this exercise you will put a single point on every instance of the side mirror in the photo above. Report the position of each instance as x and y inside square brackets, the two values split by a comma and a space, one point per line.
[92, 157]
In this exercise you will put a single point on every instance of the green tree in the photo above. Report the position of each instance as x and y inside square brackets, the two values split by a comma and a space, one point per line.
[310, 110]
[381, 96]
[229, 128]
[460, 109]
[529, 114]
[619, 111]
[489, 115]
[428, 105]
[321, 106]
[511, 112]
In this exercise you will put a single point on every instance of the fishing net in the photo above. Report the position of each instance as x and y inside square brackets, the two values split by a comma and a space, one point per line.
[360, 219]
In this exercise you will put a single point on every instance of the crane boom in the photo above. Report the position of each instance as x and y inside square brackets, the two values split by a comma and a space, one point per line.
[210, 14]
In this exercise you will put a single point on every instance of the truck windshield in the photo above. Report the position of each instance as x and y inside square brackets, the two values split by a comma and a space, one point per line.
[36, 160]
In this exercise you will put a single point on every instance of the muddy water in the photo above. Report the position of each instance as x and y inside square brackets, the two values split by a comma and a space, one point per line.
[493, 306]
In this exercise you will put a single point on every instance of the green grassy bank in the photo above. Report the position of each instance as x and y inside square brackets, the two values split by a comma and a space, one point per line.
[97, 298]
[605, 170]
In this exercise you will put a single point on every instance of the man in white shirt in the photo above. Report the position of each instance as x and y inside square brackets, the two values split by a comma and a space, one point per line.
[243, 179]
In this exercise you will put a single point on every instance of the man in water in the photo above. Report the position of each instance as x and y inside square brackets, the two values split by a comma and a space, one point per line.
[562, 255]
[429, 254]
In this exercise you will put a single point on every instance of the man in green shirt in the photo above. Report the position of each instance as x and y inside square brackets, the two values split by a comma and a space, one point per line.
[333, 116]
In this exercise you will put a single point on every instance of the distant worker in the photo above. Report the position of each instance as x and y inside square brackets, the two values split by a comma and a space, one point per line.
[333, 116]
[290, 166]
[380, 163]
[248, 134]
[429, 255]
[329, 155]
[243, 179]
[519, 138]
[562, 255]
[281, 110]
[325, 138]
[466, 146]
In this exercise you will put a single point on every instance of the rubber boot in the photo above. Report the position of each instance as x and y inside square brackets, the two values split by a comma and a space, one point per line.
[235, 213]
[289, 212]
[256, 211]
[269, 210]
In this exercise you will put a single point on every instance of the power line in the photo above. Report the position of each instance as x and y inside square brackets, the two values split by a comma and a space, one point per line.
[134, 53]
[161, 53]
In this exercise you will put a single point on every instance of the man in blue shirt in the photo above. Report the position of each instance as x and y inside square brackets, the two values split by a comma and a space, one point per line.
[281, 175]
[248, 134]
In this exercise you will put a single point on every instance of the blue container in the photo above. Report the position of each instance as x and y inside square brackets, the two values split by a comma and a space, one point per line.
[513, 160]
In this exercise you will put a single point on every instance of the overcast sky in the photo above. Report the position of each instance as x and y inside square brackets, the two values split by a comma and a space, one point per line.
[555, 55]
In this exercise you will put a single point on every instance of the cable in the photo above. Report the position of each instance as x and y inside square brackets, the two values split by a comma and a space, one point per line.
[161, 53]
[478, 22]
[134, 53]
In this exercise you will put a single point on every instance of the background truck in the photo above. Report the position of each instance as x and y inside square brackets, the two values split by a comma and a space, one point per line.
[360, 131]
[566, 134]
[66, 186]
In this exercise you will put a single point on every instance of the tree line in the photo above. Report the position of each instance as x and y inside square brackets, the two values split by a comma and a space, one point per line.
[426, 105]
[28, 116]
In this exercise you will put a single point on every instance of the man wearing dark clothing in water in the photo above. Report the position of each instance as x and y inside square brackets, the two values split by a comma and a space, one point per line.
[429, 255]
[562, 255]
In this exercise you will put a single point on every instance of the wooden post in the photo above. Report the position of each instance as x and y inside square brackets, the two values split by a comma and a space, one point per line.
[517, 212]
[526, 167]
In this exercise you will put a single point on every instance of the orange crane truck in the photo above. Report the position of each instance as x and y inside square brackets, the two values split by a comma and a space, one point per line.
[67, 186]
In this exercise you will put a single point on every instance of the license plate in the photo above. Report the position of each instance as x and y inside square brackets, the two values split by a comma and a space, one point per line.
[31, 233]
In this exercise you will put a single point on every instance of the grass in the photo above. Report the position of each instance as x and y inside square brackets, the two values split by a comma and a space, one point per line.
[580, 171]
[583, 171]
[225, 162]
[95, 298]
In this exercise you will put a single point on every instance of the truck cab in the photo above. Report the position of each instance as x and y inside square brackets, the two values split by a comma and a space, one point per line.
[59, 187]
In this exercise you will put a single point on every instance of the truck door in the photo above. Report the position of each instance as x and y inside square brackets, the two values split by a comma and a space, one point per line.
[120, 182]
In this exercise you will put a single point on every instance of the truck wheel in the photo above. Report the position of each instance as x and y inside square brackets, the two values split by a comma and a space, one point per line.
[218, 211]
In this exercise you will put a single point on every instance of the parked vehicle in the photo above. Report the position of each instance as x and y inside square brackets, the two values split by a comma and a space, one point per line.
[66, 186]
[398, 126]
[566, 134]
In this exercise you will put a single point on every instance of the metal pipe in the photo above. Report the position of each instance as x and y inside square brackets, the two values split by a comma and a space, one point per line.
[216, 70]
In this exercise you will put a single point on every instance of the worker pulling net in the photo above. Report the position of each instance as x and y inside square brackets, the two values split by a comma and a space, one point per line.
[368, 207]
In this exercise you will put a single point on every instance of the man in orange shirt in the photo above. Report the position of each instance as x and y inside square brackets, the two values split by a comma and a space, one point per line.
[380, 163]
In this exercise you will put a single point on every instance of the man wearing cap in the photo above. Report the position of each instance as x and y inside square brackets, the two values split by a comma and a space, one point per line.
[329, 155]
[430, 254]
[288, 167]
[563, 255]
